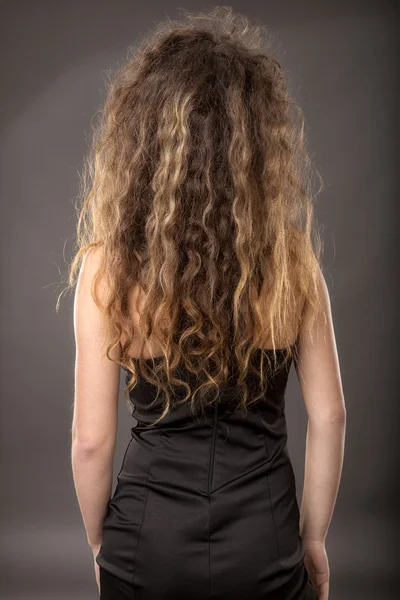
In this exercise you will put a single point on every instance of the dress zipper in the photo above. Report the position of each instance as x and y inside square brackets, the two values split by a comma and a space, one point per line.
[212, 450]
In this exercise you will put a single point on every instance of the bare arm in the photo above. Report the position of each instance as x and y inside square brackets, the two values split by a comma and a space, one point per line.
[319, 376]
[94, 426]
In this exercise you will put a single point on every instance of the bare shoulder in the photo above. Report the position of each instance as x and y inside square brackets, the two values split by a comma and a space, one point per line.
[317, 364]
[90, 267]
[91, 263]
[90, 298]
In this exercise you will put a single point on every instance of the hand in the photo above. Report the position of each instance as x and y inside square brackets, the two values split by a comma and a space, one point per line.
[95, 550]
[316, 563]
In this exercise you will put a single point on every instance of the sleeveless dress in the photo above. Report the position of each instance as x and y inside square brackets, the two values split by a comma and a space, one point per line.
[205, 506]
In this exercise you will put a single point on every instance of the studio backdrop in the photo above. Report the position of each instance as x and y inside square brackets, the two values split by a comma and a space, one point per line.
[341, 58]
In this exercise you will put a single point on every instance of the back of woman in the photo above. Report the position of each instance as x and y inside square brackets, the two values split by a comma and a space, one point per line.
[198, 272]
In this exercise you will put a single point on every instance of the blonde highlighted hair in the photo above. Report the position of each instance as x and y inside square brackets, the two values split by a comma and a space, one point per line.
[198, 190]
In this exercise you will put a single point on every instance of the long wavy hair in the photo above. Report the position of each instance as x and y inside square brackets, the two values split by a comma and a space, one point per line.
[197, 191]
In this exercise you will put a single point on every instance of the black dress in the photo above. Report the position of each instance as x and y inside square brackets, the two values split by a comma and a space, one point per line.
[205, 507]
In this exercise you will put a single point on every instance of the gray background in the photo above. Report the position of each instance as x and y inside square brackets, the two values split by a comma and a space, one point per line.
[341, 58]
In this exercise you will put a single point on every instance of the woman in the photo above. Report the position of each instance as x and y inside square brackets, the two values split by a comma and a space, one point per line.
[200, 276]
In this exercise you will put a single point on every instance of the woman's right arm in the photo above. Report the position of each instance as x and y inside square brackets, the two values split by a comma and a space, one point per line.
[318, 370]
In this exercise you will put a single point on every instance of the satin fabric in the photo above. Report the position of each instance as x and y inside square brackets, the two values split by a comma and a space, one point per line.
[205, 506]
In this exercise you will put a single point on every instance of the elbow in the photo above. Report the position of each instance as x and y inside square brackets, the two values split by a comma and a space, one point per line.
[89, 448]
[335, 417]
[85, 450]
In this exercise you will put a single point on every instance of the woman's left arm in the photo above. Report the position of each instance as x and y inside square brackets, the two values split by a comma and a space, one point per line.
[95, 415]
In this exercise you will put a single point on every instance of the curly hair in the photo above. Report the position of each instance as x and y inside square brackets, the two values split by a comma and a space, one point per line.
[198, 190]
